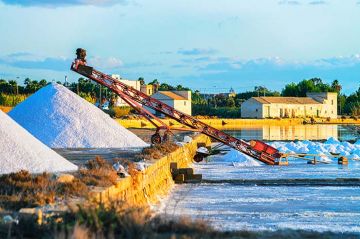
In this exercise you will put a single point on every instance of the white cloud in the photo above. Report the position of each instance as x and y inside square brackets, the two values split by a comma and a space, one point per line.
[289, 2]
[57, 3]
[105, 63]
[317, 2]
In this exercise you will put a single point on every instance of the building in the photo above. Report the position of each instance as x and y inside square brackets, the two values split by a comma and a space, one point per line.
[148, 89]
[321, 105]
[133, 83]
[208, 96]
[231, 93]
[180, 100]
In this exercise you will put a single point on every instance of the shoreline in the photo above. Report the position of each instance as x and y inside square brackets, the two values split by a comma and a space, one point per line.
[235, 123]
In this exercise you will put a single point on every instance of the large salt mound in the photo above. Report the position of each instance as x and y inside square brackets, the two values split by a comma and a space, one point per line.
[19, 150]
[61, 119]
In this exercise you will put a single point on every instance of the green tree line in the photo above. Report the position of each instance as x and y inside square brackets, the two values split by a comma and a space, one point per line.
[221, 105]
[346, 104]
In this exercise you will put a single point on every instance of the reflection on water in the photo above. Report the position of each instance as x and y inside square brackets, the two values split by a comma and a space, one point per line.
[292, 132]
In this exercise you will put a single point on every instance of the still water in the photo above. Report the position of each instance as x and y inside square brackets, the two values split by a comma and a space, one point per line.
[294, 132]
[237, 207]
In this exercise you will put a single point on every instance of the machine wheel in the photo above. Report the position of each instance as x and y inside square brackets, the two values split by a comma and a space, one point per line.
[165, 137]
[198, 158]
[156, 138]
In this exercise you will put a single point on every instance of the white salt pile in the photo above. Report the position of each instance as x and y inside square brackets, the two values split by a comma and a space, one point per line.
[332, 145]
[61, 119]
[238, 159]
[19, 150]
[323, 150]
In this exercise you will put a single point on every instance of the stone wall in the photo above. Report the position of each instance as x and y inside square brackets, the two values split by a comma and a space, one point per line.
[155, 182]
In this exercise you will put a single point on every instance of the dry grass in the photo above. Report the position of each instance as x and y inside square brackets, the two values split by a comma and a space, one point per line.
[22, 189]
[98, 172]
[157, 151]
[5, 109]
[122, 221]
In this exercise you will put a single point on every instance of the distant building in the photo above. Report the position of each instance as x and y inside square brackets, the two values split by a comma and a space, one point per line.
[208, 96]
[133, 83]
[231, 93]
[180, 100]
[148, 89]
[314, 105]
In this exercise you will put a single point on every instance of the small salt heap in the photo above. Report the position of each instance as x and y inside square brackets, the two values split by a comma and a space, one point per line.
[238, 159]
[331, 145]
[61, 119]
[19, 150]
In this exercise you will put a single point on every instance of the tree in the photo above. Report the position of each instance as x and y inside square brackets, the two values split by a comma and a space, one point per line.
[154, 82]
[290, 90]
[142, 81]
[352, 104]
[305, 86]
[230, 102]
[336, 86]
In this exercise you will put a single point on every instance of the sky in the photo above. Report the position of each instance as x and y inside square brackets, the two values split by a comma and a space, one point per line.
[209, 45]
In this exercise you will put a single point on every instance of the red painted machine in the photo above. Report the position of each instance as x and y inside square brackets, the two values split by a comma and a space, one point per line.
[137, 99]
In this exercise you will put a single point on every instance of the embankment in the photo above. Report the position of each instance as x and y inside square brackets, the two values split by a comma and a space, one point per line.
[234, 123]
[149, 186]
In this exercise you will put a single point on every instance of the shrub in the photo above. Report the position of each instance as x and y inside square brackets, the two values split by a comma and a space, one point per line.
[98, 172]
[11, 100]
[23, 189]
[121, 111]
[157, 151]
[110, 112]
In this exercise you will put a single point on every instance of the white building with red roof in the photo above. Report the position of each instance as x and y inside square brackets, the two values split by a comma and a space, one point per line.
[321, 105]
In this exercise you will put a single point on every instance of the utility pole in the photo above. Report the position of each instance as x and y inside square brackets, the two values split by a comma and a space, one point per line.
[17, 85]
[100, 96]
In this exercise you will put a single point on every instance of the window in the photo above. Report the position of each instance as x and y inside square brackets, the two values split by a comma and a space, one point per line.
[332, 102]
[256, 110]
[149, 92]
[185, 103]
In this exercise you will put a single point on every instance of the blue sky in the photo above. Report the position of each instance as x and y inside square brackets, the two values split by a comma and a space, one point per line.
[210, 45]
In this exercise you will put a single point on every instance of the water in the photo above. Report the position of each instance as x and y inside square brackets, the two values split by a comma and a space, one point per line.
[229, 207]
[237, 207]
[293, 132]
